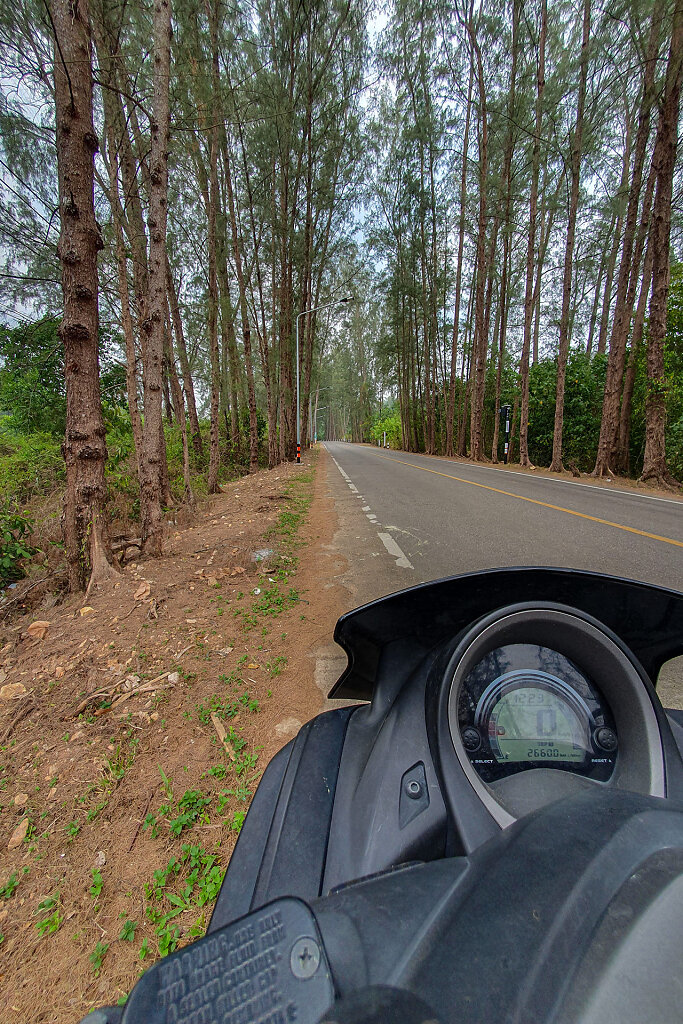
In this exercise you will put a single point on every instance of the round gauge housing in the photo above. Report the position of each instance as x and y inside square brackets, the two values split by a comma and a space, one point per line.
[543, 702]
[524, 706]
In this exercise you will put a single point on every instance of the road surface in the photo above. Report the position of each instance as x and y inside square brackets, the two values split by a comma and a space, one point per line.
[406, 518]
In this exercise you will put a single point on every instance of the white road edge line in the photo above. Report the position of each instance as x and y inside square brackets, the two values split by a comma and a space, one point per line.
[343, 473]
[394, 550]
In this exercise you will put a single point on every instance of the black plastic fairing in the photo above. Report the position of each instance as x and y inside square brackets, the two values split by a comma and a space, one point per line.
[380, 819]
[648, 619]
[282, 847]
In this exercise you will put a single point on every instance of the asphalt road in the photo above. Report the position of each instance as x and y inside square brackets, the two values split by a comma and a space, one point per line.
[405, 519]
[450, 517]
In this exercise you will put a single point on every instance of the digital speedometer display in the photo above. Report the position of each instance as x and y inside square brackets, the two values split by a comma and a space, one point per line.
[535, 724]
[525, 706]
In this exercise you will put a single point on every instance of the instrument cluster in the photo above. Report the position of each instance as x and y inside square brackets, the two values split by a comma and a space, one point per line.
[524, 706]
[542, 701]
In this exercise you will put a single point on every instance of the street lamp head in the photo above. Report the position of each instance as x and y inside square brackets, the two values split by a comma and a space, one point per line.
[347, 298]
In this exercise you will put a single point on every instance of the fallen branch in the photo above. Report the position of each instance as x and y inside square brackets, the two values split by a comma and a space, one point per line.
[121, 545]
[97, 695]
[110, 691]
[223, 736]
[27, 707]
[134, 693]
[184, 651]
[138, 604]
[141, 822]
[22, 595]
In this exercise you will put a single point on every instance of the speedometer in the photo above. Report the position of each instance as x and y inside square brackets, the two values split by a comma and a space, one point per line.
[526, 706]
[536, 723]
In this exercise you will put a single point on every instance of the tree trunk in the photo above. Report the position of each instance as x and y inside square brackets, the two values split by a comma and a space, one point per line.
[214, 452]
[126, 318]
[556, 464]
[182, 419]
[507, 230]
[480, 343]
[503, 309]
[168, 402]
[107, 36]
[85, 526]
[622, 457]
[154, 454]
[531, 246]
[263, 335]
[244, 312]
[664, 159]
[188, 386]
[466, 378]
[598, 287]
[609, 424]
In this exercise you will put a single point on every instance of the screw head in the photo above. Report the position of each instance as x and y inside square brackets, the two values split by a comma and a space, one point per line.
[304, 959]
[414, 789]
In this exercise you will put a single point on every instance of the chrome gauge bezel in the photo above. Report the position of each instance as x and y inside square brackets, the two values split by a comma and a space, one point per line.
[530, 678]
[640, 761]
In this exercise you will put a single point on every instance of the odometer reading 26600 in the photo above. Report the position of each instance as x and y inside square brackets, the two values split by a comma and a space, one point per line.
[536, 724]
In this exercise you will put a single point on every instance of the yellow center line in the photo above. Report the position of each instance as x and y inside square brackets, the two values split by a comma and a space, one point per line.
[534, 501]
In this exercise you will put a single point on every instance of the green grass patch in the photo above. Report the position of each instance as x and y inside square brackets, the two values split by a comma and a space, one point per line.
[186, 884]
[11, 885]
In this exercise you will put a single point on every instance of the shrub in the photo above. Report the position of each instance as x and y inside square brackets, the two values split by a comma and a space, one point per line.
[15, 529]
[30, 465]
[674, 449]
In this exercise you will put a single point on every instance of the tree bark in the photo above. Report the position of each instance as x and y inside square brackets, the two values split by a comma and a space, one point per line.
[180, 413]
[106, 37]
[263, 334]
[126, 317]
[166, 388]
[214, 357]
[154, 326]
[622, 457]
[664, 159]
[609, 424]
[85, 526]
[531, 246]
[598, 286]
[479, 347]
[244, 312]
[577, 143]
[188, 386]
[507, 227]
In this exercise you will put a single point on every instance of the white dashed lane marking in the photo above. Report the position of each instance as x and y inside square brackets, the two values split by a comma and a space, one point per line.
[402, 561]
[394, 550]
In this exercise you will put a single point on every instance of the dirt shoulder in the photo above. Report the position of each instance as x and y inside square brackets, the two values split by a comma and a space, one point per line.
[119, 802]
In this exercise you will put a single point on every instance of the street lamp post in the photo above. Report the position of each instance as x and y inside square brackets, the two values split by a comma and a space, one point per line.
[323, 408]
[326, 305]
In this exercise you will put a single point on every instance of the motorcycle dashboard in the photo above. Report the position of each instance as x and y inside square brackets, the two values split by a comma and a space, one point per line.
[543, 701]
[526, 705]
